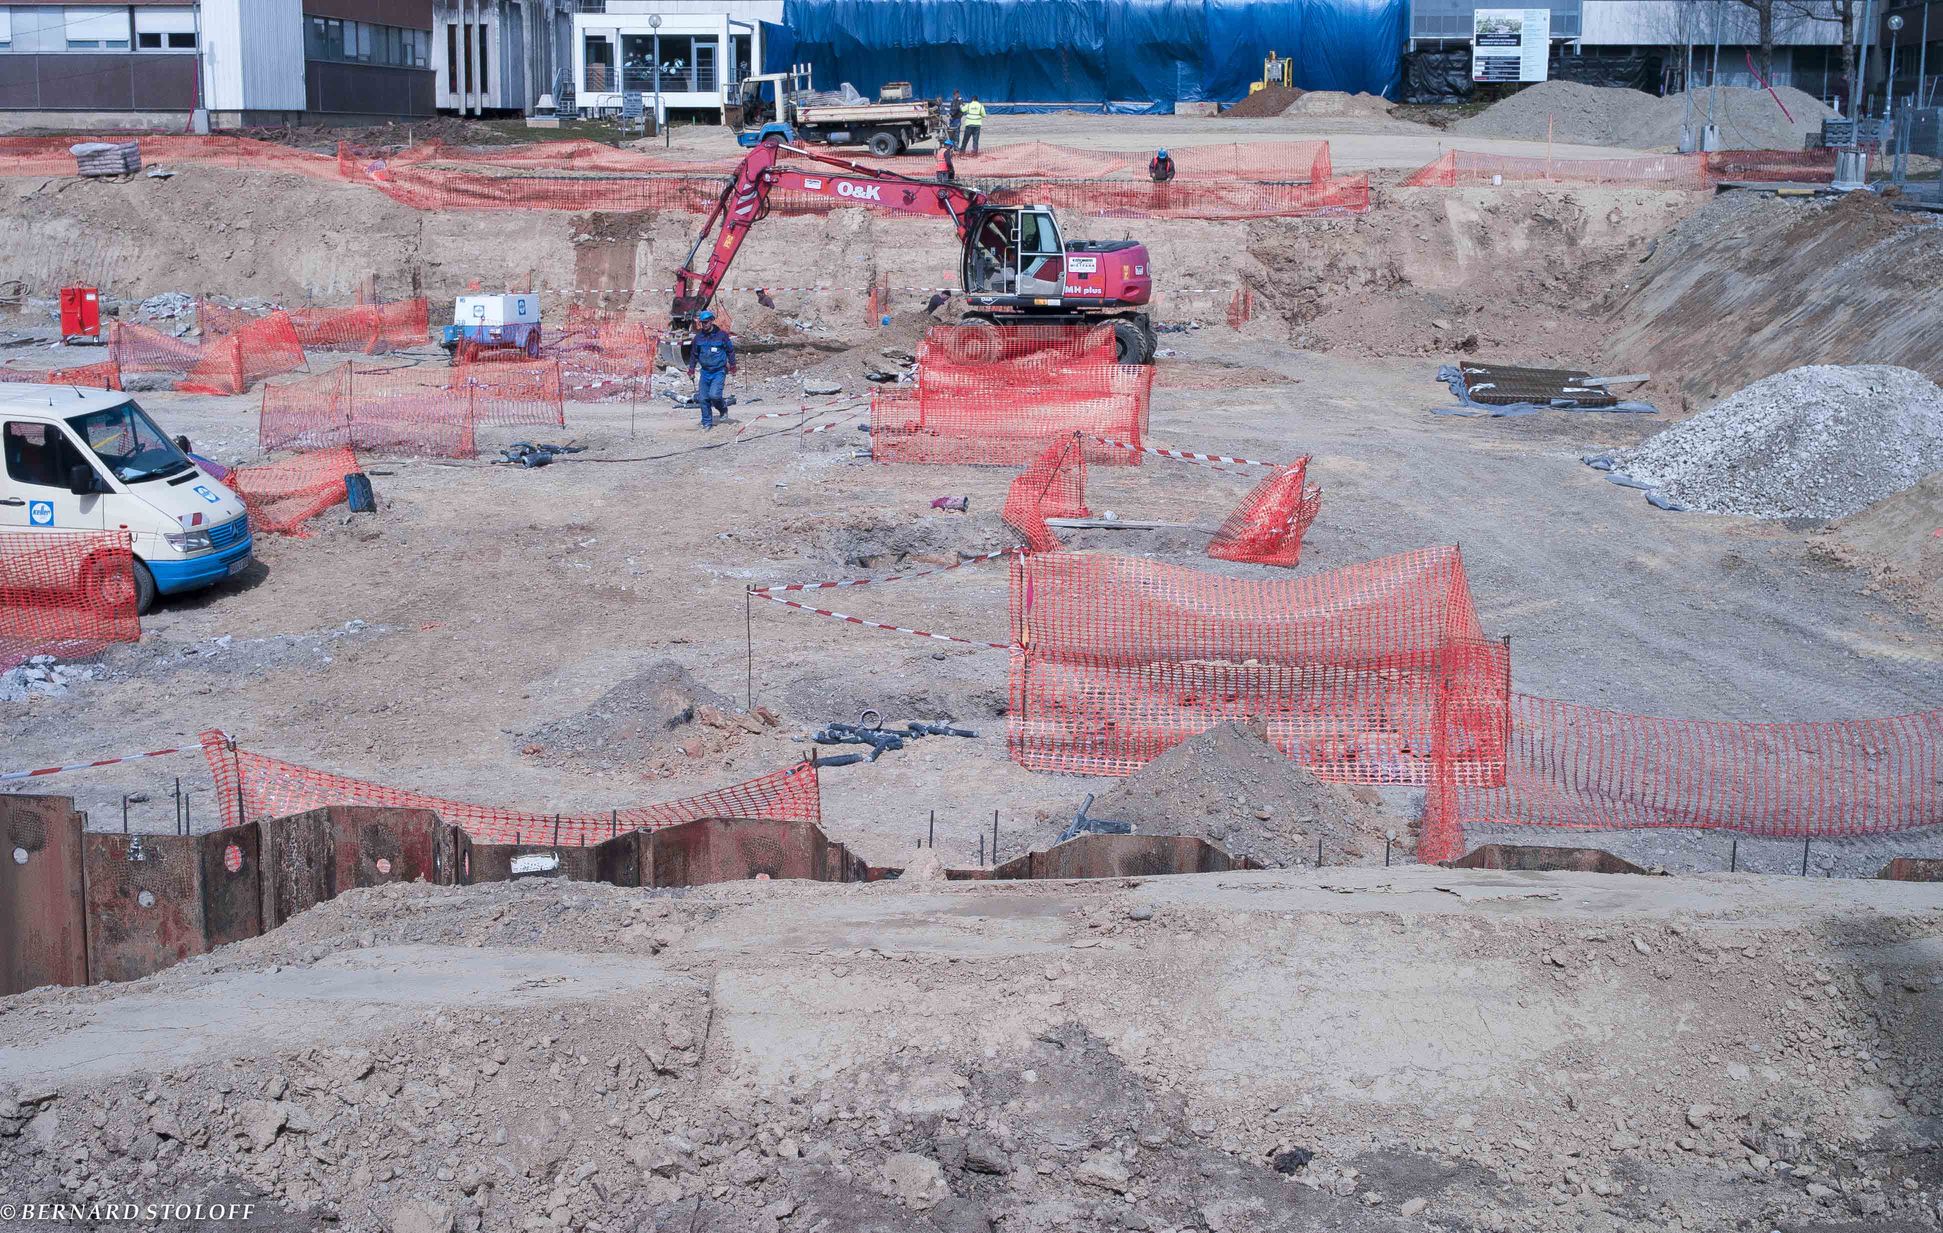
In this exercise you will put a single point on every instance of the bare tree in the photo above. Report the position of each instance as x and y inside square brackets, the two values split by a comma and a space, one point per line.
[1763, 11]
[1848, 12]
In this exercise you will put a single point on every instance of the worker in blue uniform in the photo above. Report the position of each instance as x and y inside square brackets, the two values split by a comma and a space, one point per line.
[714, 354]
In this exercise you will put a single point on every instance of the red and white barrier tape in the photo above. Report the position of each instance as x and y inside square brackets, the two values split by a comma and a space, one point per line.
[13, 776]
[1187, 455]
[769, 593]
[896, 629]
[861, 582]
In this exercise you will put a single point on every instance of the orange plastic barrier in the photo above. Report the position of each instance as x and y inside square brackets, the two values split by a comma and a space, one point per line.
[105, 375]
[1211, 200]
[600, 356]
[253, 787]
[422, 410]
[65, 593]
[1006, 415]
[1583, 768]
[1805, 166]
[232, 363]
[371, 328]
[1054, 486]
[282, 496]
[134, 347]
[1363, 674]
[1668, 171]
[1268, 526]
[48, 156]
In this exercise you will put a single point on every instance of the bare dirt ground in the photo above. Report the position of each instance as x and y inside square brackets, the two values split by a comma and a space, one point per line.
[1349, 1048]
[1374, 1050]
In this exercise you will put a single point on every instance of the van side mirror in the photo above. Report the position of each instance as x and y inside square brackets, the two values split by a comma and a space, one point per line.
[81, 480]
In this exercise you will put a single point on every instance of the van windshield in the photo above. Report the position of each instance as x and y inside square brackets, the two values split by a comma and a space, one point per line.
[130, 444]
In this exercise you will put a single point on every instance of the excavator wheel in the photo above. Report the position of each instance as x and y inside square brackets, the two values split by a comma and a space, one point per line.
[1130, 343]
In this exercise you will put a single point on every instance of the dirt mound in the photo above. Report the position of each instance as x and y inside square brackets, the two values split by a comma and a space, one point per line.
[1232, 788]
[1750, 285]
[1814, 442]
[1338, 103]
[1578, 114]
[646, 715]
[1270, 101]
[1900, 540]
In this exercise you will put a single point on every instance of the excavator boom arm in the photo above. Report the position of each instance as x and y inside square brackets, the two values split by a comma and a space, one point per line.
[745, 202]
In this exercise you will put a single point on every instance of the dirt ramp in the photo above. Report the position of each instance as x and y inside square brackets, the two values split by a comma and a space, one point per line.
[1899, 540]
[1749, 286]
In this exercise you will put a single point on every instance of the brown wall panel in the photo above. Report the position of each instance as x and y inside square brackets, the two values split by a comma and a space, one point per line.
[43, 913]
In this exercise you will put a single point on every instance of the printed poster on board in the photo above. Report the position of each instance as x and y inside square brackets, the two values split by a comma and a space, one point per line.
[1511, 44]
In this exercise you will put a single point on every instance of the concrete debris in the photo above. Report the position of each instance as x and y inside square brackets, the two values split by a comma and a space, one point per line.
[1822, 442]
[167, 306]
[1569, 112]
[41, 677]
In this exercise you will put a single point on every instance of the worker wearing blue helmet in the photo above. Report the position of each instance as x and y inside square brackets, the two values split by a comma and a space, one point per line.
[1161, 167]
[713, 354]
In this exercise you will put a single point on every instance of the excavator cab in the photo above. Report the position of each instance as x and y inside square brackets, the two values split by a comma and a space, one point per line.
[1015, 251]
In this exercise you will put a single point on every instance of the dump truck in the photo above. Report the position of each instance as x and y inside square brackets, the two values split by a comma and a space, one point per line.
[893, 124]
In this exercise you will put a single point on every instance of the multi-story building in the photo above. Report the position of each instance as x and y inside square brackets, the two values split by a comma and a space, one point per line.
[147, 63]
[500, 55]
[692, 52]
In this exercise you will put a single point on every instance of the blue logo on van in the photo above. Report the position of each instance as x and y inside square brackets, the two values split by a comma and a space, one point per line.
[40, 513]
[208, 496]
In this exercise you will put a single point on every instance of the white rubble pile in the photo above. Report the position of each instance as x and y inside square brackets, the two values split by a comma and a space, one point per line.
[1817, 442]
[41, 677]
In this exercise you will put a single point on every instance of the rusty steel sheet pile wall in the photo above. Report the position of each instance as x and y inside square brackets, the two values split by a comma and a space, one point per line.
[1054, 486]
[996, 396]
[369, 328]
[254, 787]
[318, 854]
[1363, 674]
[155, 900]
[43, 917]
[1537, 858]
[283, 495]
[415, 410]
[711, 850]
[1121, 856]
[1268, 526]
[1583, 768]
[65, 593]
[105, 375]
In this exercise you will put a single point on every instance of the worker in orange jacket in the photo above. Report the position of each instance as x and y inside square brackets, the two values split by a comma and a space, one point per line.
[947, 170]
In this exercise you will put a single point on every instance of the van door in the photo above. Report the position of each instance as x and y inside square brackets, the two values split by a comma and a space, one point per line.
[1042, 262]
[38, 458]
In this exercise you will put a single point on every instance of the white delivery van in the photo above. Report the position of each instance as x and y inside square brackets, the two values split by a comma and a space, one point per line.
[91, 460]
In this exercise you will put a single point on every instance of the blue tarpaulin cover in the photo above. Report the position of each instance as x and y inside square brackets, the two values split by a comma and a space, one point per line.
[1121, 55]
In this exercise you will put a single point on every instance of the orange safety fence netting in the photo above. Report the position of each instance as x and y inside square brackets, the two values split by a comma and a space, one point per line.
[600, 356]
[1268, 526]
[63, 593]
[49, 156]
[1210, 200]
[968, 346]
[1455, 167]
[253, 787]
[105, 375]
[135, 347]
[281, 496]
[1006, 417]
[1806, 166]
[1584, 768]
[1363, 674]
[370, 328]
[232, 363]
[409, 410]
[1054, 486]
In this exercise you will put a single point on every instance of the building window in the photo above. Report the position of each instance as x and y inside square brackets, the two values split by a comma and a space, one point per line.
[483, 41]
[364, 42]
[452, 58]
[95, 28]
[159, 28]
[6, 30]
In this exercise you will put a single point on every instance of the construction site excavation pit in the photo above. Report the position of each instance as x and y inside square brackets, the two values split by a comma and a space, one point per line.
[1267, 758]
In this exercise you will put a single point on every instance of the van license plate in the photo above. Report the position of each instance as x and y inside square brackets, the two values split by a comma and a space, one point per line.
[237, 567]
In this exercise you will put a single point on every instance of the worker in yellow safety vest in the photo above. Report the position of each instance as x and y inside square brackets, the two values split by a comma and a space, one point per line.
[974, 123]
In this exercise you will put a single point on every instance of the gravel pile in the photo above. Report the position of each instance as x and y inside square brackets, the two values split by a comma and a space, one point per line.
[1817, 442]
[1234, 789]
[1577, 114]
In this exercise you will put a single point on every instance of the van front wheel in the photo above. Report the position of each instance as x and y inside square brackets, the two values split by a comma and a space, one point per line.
[144, 589]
